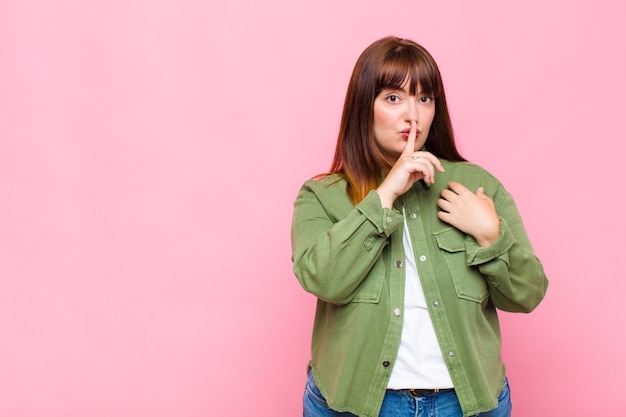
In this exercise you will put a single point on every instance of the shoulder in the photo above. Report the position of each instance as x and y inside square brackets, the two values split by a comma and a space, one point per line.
[331, 183]
[467, 171]
[329, 193]
[473, 176]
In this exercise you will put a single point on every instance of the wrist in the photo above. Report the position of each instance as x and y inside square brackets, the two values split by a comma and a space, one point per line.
[386, 198]
[488, 239]
[486, 242]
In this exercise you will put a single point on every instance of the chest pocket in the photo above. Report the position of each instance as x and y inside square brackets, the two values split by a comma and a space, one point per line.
[469, 283]
[370, 289]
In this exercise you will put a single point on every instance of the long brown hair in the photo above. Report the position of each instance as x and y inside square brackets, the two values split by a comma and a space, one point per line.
[387, 63]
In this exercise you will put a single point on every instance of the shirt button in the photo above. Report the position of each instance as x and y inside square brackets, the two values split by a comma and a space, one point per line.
[397, 312]
[386, 364]
[399, 264]
[422, 258]
[413, 215]
[389, 219]
[451, 355]
[435, 304]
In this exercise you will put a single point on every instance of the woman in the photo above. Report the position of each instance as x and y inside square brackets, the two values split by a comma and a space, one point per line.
[410, 250]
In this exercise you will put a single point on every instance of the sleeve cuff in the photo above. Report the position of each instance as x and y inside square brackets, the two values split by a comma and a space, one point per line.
[385, 220]
[477, 254]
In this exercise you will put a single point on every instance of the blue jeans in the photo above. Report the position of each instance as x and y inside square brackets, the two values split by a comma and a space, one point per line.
[402, 404]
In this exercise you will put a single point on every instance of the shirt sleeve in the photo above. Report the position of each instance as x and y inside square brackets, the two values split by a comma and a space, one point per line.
[514, 274]
[333, 252]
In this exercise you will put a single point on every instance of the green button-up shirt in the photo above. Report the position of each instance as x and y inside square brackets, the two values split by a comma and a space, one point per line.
[353, 260]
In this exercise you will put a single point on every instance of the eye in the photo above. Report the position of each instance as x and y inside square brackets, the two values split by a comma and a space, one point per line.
[426, 99]
[393, 98]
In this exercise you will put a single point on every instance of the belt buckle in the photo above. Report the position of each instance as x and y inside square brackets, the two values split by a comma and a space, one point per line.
[421, 392]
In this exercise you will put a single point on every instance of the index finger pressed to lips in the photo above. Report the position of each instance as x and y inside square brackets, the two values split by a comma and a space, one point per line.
[409, 148]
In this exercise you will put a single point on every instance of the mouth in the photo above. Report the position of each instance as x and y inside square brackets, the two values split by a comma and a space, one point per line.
[405, 133]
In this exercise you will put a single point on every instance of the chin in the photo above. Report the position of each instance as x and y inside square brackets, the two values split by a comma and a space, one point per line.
[392, 155]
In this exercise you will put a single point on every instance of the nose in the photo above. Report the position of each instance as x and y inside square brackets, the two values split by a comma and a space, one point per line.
[412, 111]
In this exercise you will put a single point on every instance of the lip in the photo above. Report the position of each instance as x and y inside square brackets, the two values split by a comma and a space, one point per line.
[406, 132]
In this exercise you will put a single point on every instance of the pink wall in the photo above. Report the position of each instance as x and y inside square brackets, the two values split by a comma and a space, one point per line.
[150, 152]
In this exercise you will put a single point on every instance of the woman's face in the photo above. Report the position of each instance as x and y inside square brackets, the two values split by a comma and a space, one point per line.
[394, 110]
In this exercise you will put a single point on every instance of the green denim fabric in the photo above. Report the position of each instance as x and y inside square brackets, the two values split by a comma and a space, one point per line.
[352, 259]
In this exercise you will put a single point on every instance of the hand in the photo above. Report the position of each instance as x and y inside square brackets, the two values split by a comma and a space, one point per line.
[410, 167]
[474, 214]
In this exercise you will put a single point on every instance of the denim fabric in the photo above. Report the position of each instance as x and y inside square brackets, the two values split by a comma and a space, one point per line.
[403, 404]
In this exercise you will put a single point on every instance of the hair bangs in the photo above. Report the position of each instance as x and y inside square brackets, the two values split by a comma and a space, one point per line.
[406, 64]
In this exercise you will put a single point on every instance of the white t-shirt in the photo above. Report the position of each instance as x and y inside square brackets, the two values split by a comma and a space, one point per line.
[420, 363]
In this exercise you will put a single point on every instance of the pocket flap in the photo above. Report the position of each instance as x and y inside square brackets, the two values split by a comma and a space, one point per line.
[450, 239]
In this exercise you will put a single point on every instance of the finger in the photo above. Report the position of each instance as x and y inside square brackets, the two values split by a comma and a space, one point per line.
[425, 166]
[448, 195]
[444, 205]
[432, 158]
[444, 216]
[481, 194]
[409, 148]
[458, 188]
[431, 171]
